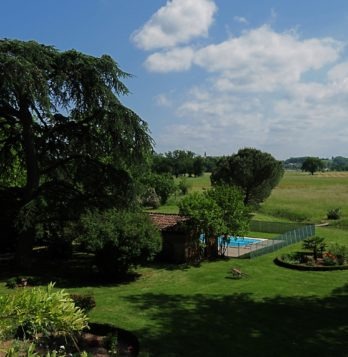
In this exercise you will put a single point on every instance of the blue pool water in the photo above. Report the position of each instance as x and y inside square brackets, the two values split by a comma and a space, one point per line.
[242, 241]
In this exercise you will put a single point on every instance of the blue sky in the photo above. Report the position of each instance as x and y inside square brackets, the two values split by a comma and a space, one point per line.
[214, 76]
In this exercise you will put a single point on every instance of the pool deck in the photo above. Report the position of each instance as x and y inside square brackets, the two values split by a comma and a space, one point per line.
[235, 252]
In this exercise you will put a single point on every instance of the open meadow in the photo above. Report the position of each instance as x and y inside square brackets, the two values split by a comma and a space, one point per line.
[272, 311]
[307, 198]
[299, 197]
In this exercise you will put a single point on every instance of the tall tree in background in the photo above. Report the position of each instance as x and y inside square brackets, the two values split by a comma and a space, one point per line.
[65, 134]
[312, 165]
[255, 172]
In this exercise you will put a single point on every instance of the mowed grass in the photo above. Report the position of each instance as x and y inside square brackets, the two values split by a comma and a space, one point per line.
[202, 311]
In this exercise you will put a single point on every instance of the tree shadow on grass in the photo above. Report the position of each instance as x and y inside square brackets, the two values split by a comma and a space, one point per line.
[158, 264]
[238, 325]
[75, 272]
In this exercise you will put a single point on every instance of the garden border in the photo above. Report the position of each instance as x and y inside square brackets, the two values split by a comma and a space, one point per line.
[278, 261]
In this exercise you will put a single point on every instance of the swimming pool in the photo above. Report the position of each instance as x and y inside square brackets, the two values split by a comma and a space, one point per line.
[241, 241]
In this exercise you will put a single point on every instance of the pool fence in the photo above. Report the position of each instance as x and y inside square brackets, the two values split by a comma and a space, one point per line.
[290, 233]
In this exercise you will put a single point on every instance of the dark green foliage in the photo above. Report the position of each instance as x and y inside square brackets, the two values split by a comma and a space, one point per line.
[292, 258]
[334, 213]
[67, 143]
[256, 173]
[329, 260]
[294, 163]
[162, 184]
[23, 281]
[338, 252]
[161, 164]
[150, 199]
[339, 163]
[178, 163]
[315, 244]
[11, 283]
[183, 186]
[85, 302]
[198, 166]
[216, 212]
[312, 165]
[119, 239]
[210, 163]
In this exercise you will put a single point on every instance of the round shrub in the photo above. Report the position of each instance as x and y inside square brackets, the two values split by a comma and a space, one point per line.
[119, 239]
[334, 213]
[150, 199]
[85, 302]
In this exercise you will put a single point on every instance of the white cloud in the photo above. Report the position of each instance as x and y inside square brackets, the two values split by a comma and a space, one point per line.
[177, 22]
[162, 100]
[176, 60]
[258, 60]
[308, 119]
[241, 20]
[339, 73]
[259, 89]
[262, 59]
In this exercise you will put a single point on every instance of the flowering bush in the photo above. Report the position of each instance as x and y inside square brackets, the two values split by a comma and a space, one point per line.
[329, 259]
[339, 251]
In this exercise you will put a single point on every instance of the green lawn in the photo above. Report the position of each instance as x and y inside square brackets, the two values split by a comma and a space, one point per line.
[201, 311]
[274, 311]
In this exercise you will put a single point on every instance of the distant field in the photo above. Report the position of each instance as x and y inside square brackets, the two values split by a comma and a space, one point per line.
[304, 197]
[299, 197]
[197, 183]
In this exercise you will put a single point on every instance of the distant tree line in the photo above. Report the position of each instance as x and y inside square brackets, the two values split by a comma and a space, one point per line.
[183, 162]
[336, 163]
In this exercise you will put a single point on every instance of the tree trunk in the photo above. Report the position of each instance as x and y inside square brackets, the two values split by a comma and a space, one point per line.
[25, 239]
[31, 163]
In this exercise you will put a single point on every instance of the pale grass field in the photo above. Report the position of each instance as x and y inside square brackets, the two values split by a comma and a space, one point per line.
[304, 197]
[299, 197]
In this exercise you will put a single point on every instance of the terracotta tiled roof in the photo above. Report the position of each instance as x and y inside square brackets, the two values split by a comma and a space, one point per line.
[165, 221]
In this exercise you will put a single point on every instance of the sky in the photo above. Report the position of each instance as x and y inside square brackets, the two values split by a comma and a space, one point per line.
[213, 76]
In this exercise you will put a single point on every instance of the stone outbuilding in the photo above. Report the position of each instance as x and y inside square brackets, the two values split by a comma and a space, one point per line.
[177, 245]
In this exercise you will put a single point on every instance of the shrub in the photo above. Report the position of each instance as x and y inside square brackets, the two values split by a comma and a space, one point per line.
[339, 251]
[163, 184]
[292, 258]
[11, 283]
[315, 244]
[309, 260]
[150, 198]
[183, 186]
[29, 350]
[40, 311]
[334, 213]
[21, 349]
[119, 239]
[85, 302]
[329, 259]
